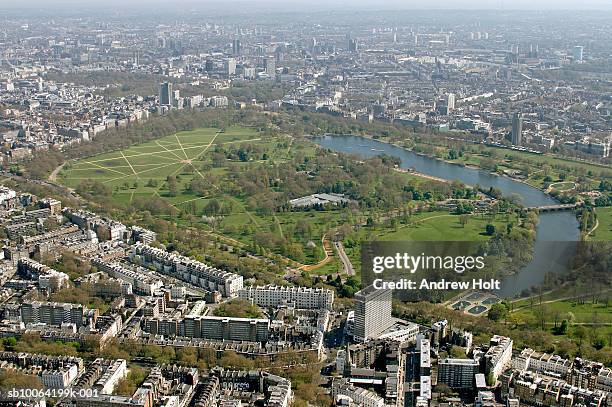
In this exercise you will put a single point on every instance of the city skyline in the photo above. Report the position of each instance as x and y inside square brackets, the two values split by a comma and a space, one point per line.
[313, 5]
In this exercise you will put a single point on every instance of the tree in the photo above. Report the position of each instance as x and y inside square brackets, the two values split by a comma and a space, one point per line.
[443, 388]
[563, 328]
[490, 229]
[188, 356]
[490, 379]
[213, 207]
[231, 359]
[457, 352]
[172, 186]
[238, 308]
[497, 312]
[463, 219]
[16, 380]
[128, 385]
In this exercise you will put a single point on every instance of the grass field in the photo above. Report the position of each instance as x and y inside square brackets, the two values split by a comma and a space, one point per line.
[142, 170]
[424, 226]
[586, 312]
[443, 226]
[604, 230]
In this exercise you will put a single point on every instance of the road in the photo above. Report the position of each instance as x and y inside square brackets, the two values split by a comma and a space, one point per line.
[346, 262]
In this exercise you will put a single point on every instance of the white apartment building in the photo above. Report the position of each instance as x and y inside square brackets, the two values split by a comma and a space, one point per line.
[189, 270]
[499, 356]
[604, 379]
[109, 379]
[61, 378]
[142, 281]
[53, 281]
[360, 396]
[297, 297]
[541, 363]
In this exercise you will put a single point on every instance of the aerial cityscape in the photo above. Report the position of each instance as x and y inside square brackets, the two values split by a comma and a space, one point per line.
[366, 204]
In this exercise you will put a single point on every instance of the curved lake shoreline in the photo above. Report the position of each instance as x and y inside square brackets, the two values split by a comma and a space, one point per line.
[555, 231]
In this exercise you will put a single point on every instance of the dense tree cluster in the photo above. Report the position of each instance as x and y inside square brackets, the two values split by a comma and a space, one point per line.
[238, 308]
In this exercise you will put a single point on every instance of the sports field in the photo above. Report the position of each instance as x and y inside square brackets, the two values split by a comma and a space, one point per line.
[142, 170]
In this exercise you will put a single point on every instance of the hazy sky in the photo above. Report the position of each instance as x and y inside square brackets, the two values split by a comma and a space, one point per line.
[312, 5]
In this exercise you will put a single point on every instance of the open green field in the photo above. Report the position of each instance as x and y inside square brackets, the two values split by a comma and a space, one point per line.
[604, 229]
[441, 226]
[141, 170]
[424, 226]
[562, 186]
[586, 312]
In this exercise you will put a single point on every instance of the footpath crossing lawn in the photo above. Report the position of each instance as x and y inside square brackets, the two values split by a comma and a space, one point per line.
[142, 170]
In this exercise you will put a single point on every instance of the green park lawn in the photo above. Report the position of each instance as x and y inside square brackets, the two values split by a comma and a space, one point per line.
[604, 230]
[584, 313]
[443, 226]
[153, 160]
[142, 171]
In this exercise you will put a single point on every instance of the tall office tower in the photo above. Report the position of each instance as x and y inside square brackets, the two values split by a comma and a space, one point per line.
[312, 44]
[236, 47]
[451, 101]
[230, 66]
[270, 65]
[209, 65]
[578, 53]
[372, 313]
[165, 94]
[517, 129]
[352, 45]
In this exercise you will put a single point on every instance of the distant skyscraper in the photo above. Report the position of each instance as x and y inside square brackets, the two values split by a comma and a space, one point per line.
[165, 94]
[352, 45]
[230, 67]
[451, 102]
[209, 65]
[517, 129]
[236, 47]
[372, 313]
[270, 65]
[313, 43]
[578, 53]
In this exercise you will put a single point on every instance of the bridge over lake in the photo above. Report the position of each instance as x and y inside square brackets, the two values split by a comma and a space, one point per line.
[559, 207]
